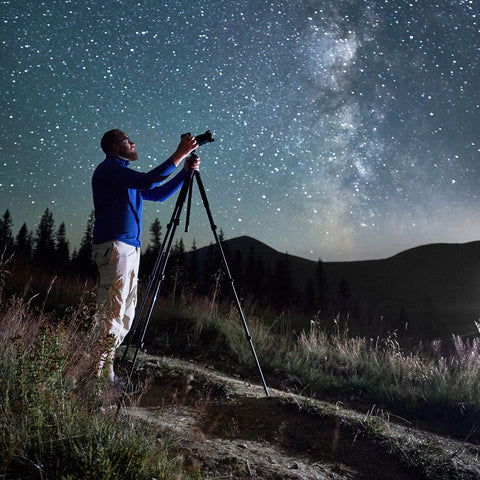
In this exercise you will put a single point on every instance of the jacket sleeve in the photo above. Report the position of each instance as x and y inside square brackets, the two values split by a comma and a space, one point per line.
[162, 192]
[128, 178]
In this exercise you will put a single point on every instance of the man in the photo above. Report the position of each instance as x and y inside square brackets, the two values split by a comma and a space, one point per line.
[118, 194]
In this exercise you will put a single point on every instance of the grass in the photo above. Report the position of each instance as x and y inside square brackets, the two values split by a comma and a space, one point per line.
[425, 384]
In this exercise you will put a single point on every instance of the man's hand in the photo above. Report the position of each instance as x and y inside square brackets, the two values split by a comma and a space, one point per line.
[186, 146]
[192, 163]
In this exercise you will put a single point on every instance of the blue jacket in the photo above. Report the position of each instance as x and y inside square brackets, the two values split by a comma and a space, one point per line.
[118, 194]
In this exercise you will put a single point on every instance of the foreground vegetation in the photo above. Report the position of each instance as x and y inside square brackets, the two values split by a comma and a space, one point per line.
[51, 411]
[49, 397]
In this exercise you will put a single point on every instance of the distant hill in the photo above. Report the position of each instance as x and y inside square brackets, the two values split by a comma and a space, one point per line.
[437, 284]
[437, 280]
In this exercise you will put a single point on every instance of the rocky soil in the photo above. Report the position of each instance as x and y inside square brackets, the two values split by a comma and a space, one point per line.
[226, 427]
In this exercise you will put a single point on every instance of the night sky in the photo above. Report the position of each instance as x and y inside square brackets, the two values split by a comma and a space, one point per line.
[344, 130]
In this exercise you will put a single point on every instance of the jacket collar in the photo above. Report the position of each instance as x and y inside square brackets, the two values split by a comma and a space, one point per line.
[121, 161]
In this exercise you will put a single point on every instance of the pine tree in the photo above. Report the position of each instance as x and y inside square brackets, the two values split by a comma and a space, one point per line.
[82, 262]
[23, 244]
[156, 235]
[44, 252]
[6, 236]
[62, 248]
[150, 255]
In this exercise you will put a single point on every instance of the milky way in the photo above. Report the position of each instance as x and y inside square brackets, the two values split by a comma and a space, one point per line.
[344, 129]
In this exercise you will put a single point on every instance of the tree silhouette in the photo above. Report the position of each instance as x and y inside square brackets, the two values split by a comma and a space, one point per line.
[156, 235]
[82, 262]
[6, 236]
[23, 244]
[428, 321]
[150, 255]
[44, 252]
[62, 248]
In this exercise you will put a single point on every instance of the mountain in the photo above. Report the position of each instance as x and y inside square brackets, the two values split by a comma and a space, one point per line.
[436, 285]
[441, 281]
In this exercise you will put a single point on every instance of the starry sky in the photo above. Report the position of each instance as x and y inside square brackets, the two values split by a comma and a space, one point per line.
[344, 129]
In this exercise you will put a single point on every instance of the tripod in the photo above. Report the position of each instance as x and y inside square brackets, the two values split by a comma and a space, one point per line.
[158, 274]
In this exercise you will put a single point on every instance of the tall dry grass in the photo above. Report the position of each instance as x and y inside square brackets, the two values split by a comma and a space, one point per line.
[429, 384]
[52, 423]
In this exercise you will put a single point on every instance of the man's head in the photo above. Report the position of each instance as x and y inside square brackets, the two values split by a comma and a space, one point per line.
[115, 142]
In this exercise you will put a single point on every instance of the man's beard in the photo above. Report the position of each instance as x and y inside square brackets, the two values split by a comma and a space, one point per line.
[128, 153]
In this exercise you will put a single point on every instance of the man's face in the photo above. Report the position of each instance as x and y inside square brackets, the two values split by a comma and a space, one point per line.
[125, 148]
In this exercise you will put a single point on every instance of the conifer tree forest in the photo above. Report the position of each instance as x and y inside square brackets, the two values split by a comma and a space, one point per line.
[189, 270]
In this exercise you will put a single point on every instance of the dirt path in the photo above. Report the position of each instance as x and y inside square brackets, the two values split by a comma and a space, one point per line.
[229, 428]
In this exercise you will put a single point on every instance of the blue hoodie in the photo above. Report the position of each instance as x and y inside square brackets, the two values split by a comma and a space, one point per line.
[118, 194]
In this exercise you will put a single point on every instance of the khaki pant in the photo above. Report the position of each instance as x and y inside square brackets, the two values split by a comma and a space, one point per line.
[117, 265]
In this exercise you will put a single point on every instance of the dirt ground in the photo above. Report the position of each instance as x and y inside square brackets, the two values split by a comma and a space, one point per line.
[229, 428]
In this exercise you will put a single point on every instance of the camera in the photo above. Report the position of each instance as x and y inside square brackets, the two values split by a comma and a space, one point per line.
[204, 138]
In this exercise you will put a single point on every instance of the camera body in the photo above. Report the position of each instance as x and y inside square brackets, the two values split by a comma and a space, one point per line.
[201, 140]
[204, 138]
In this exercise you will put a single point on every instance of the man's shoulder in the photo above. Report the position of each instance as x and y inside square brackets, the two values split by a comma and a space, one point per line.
[110, 163]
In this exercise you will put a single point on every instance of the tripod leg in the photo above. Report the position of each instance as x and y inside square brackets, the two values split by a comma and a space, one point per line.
[232, 283]
[189, 207]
